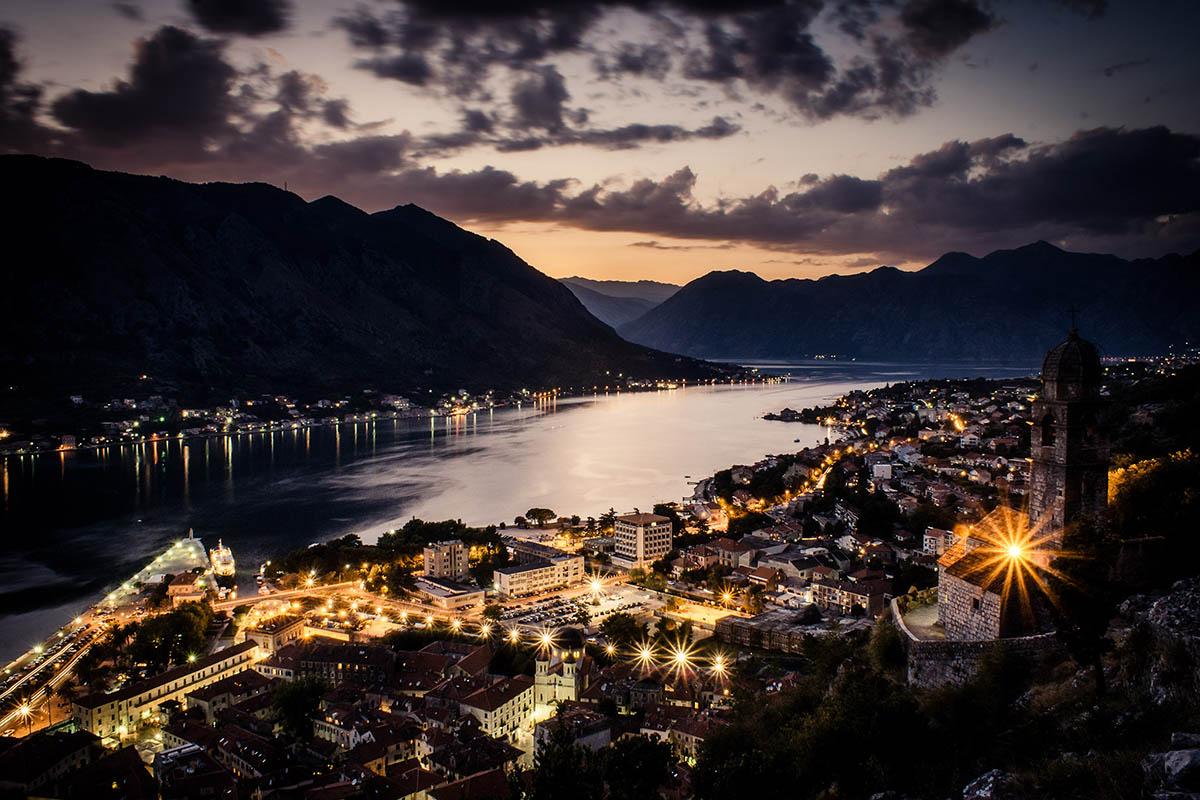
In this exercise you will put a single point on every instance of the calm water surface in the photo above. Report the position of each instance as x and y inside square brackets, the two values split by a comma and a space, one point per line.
[75, 523]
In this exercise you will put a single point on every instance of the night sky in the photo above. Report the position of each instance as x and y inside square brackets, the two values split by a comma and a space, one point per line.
[646, 139]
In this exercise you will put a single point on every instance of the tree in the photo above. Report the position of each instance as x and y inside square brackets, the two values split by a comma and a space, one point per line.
[493, 612]
[636, 768]
[608, 520]
[811, 615]
[582, 617]
[540, 515]
[521, 522]
[1083, 596]
[564, 769]
[294, 703]
[1158, 497]
[623, 630]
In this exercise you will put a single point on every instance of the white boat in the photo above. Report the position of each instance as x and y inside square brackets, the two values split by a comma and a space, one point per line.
[222, 559]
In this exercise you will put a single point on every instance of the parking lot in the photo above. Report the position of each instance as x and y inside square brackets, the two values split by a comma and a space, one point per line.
[555, 612]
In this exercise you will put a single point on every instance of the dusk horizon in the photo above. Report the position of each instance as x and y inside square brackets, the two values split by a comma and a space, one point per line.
[631, 140]
[600, 400]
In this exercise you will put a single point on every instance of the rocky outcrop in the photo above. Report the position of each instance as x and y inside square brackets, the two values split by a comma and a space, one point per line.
[1170, 624]
[1175, 774]
[994, 785]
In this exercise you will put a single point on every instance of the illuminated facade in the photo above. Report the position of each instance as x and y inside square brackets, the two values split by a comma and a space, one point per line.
[640, 540]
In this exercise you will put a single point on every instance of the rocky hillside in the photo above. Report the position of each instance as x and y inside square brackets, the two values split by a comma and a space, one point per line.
[1008, 306]
[216, 288]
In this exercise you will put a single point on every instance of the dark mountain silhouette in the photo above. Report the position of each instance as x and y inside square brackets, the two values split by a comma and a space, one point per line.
[219, 287]
[1007, 306]
[653, 291]
[614, 311]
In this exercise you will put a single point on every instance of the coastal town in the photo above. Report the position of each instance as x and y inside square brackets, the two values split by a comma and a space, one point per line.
[445, 661]
[156, 414]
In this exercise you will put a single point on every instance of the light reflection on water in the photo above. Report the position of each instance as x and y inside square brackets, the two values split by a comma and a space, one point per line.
[96, 516]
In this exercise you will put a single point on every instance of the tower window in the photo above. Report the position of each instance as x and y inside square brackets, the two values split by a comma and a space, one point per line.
[1048, 431]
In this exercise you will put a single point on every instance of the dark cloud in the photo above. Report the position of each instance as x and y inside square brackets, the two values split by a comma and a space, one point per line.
[1113, 69]
[539, 101]
[366, 154]
[649, 60]
[19, 102]
[936, 28]
[654, 244]
[477, 121]
[245, 17]
[767, 45]
[363, 29]
[131, 11]
[1092, 9]
[411, 68]
[844, 194]
[179, 85]
[480, 129]
[1105, 185]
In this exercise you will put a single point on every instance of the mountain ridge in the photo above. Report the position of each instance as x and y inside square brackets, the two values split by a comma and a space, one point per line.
[1007, 305]
[218, 288]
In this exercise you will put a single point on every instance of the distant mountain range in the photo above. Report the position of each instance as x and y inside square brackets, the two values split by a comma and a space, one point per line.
[1010, 305]
[216, 288]
[652, 291]
[618, 302]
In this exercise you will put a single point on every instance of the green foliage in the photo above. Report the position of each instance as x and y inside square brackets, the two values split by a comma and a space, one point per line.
[1084, 597]
[747, 522]
[623, 630]
[294, 703]
[636, 768]
[1160, 497]
[886, 650]
[928, 515]
[493, 612]
[171, 638]
[565, 770]
[540, 515]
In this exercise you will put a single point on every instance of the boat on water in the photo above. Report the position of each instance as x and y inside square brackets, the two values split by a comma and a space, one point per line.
[221, 558]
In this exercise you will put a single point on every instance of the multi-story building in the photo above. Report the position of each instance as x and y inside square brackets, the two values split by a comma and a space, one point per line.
[502, 707]
[841, 597]
[539, 575]
[274, 633]
[228, 692]
[122, 712]
[640, 540]
[449, 559]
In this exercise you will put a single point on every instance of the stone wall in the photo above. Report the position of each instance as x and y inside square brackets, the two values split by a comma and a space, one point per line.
[934, 663]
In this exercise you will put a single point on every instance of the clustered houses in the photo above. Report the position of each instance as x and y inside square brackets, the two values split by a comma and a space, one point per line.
[424, 724]
[941, 452]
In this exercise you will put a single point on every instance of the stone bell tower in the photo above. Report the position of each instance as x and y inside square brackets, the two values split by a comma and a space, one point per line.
[1069, 442]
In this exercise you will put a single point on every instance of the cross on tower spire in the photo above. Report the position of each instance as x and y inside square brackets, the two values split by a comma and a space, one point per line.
[1073, 311]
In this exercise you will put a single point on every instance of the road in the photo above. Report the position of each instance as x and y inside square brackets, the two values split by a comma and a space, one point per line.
[29, 690]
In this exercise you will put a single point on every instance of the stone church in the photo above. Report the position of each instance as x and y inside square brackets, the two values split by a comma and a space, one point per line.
[562, 671]
[978, 591]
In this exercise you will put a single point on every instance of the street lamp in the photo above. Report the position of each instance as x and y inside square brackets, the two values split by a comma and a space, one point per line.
[26, 712]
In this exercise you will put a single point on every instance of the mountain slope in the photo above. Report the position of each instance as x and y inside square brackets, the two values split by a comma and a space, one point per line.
[1010, 305]
[614, 311]
[219, 287]
[653, 291]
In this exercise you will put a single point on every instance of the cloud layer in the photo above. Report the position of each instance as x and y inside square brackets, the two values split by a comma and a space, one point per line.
[184, 107]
